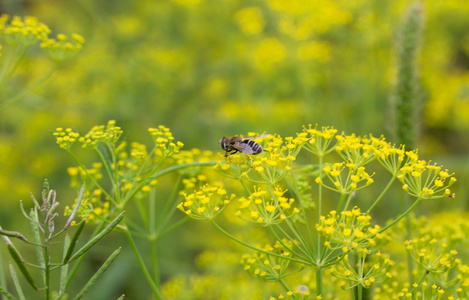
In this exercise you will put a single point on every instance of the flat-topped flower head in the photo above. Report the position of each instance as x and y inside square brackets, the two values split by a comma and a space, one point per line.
[108, 134]
[267, 267]
[164, 141]
[425, 180]
[66, 138]
[348, 230]
[63, 48]
[206, 203]
[266, 208]
[27, 31]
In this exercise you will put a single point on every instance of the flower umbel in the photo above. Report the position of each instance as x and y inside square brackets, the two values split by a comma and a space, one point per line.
[206, 203]
[266, 208]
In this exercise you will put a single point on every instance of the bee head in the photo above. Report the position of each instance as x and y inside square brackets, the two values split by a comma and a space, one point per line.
[223, 142]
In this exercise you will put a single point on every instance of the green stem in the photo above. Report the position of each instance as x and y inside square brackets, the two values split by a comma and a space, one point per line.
[319, 286]
[141, 263]
[257, 249]
[382, 194]
[318, 281]
[28, 90]
[401, 216]
[47, 268]
[360, 291]
[410, 261]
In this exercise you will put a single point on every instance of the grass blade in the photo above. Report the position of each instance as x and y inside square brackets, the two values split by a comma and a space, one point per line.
[100, 272]
[98, 237]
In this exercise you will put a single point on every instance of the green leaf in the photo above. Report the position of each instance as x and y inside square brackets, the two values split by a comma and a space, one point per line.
[16, 282]
[37, 239]
[98, 237]
[64, 268]
[95, 277]
[73, 242]
[5, 293]
[20, 263]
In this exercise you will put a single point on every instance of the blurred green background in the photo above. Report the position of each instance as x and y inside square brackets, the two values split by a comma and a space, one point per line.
[208, 69]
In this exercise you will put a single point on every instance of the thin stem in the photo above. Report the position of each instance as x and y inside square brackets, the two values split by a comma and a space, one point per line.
[382, 194]
[28, 90]
[401, 216]
[319, 286]
[257, 249]
[141, 263]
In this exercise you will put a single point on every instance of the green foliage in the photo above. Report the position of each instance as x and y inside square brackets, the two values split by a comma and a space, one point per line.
[208, 69]
[43, 218]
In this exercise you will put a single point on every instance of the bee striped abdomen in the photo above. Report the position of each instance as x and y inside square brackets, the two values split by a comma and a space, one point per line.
[255, 147]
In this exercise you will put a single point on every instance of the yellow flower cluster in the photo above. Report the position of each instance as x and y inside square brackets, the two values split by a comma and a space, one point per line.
[65, 138]
[355, 179]
[29, 31]
[268, 267]
[62, 48]
[425, 180]
[432, 255]
[348, 231]
[94, 171]
[109, 134]
[266, 208]
[164, 140]
[26, 31]
[206, 203]
[268, 168]
[366, 272]
[320, 142]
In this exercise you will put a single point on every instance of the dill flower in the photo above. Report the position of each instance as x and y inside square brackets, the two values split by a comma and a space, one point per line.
[164, 141]
[432, 255]
[355, 177]
[27, 31]
[100, 133]
[62, 48]
[425, 180]
[269, 167]
[370, 269]
[268, 267]
[348, 230]
[320, 142]
[65, 138]
[206, 203]
[266, 208]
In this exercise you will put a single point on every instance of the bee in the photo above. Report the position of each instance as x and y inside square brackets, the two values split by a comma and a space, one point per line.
[245, 145]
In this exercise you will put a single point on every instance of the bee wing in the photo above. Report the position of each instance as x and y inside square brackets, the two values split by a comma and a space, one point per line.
[243, 148]
[259, 136]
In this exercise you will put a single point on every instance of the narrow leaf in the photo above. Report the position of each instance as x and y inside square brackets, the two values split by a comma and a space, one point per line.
[20, 263]
[121, 297]
[98, 237]
[64, 268]
[100, 272]
[37, 239]
[73, 242]
[16, 282]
